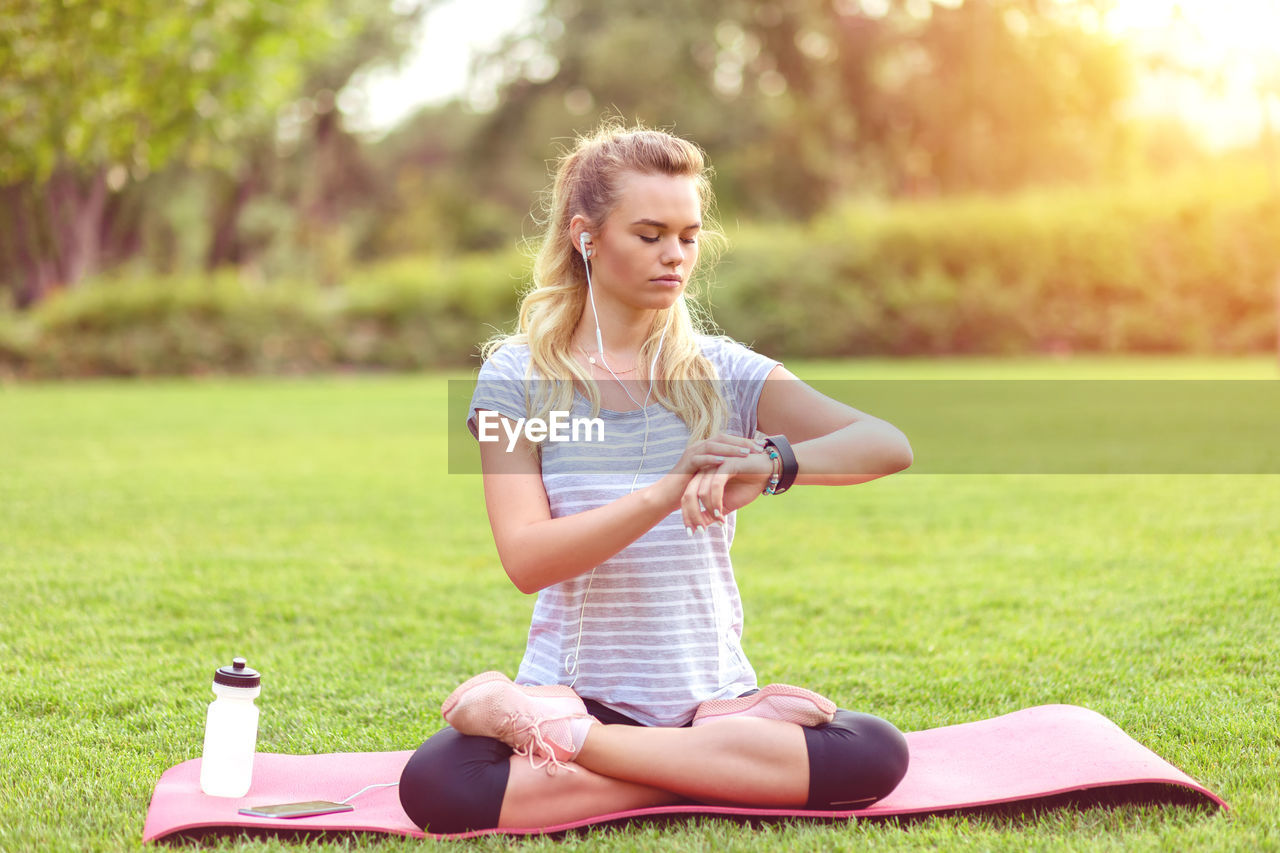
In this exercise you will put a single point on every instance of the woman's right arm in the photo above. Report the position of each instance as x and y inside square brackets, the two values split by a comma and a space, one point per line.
[537, 550]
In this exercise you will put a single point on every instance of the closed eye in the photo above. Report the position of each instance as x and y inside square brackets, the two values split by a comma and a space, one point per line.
[686, 240]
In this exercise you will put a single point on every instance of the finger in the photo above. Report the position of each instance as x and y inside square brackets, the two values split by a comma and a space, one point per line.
[728, 448]
[749, 444]
[714, 451]
[703, 461]
[695, 520]
[689, 512]
[706, 453]
[695, 459]
[711, 494]
[705, 518]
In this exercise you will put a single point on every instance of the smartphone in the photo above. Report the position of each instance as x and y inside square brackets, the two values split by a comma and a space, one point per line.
[307, 809]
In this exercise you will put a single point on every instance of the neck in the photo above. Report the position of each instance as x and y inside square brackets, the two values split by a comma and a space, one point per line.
[622, 335]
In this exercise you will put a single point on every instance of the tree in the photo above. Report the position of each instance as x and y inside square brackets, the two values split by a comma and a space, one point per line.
[316, 171]
[803, 102]
[1009, 92]
[96, 95]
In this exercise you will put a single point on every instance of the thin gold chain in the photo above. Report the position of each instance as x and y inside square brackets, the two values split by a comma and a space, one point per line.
[591, 360]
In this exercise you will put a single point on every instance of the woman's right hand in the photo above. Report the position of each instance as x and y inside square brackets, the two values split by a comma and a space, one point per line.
[710, 452]
[702, 456]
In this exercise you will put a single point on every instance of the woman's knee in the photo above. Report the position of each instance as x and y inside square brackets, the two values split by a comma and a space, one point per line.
[455, 782]
[854, 760]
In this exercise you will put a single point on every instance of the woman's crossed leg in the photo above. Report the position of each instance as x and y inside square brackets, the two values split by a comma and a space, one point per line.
[458, 782]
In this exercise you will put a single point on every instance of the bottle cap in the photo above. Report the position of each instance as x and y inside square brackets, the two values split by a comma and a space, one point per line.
[237, 675]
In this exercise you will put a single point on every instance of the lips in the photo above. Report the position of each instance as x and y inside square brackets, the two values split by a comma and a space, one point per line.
[670, 280]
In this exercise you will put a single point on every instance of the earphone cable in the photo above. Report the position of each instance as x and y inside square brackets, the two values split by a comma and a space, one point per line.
[644, 447]
[366, 788]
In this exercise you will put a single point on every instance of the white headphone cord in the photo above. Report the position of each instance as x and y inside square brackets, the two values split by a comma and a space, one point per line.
[366, 788]
[644, 408]
[572, 669]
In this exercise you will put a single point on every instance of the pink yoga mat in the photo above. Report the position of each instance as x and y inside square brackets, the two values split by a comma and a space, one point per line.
[1048, 755]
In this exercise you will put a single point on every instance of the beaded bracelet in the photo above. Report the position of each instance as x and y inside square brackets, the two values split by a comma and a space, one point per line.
[785, 459]
[772, 487]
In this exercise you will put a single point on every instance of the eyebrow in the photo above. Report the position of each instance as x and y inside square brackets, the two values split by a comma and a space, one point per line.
[656, 224]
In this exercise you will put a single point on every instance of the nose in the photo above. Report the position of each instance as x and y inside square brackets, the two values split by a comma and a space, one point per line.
[673, 253]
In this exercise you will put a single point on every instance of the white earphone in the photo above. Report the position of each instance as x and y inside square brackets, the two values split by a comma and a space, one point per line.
[582, 241]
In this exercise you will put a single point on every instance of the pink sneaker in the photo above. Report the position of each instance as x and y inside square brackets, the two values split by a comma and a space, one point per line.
[533, 721]
[773, 702]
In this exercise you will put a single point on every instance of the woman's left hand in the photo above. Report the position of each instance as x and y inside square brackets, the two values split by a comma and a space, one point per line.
[715, 491]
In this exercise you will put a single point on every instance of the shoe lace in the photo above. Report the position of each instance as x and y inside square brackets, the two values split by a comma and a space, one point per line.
[526, 731]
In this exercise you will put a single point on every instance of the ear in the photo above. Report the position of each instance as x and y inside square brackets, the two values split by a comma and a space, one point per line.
[577, 227]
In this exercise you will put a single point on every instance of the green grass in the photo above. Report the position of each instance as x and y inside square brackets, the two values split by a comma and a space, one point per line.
[148, 532]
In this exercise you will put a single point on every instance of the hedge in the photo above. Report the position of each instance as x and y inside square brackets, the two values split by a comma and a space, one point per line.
[1189, 266]
[401, 315]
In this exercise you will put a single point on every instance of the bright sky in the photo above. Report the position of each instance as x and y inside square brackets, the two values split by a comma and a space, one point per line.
[1240, 38]
[1236, 38]
[437, 68]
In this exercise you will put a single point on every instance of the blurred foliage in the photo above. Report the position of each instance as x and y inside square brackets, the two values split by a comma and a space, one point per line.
[99, 102]
[801, 106]
[146, 146]
[136, 83]
[1186, 265]
[431, 198]
[1189, 265]
[804, 102]
[398, 315]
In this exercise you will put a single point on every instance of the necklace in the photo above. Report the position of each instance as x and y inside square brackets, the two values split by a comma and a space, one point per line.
[591, 360]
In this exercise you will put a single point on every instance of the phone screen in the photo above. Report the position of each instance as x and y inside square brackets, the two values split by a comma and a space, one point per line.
[306, 809]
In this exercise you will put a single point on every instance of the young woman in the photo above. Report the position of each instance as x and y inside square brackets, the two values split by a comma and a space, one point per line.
[634, 689]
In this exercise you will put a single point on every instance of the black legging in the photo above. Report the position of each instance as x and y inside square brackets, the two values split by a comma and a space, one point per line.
[456, 782]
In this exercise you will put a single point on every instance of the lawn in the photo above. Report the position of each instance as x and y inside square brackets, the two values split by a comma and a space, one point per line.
[151, 531]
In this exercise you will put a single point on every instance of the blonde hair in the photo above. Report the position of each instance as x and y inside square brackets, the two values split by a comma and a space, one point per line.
[587, 182]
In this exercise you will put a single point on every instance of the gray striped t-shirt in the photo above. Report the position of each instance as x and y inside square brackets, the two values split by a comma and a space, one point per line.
[661, 628]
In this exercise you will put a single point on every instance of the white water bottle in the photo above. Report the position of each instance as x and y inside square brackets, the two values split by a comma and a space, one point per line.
[231, 732]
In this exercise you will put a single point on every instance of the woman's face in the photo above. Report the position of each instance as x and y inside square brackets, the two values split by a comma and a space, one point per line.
[644, 254]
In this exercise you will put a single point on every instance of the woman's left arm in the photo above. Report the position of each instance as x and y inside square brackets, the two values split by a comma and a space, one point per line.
[835, 444]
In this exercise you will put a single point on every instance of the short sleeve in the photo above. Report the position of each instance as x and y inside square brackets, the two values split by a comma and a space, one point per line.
[742, 373]
[501, 386]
